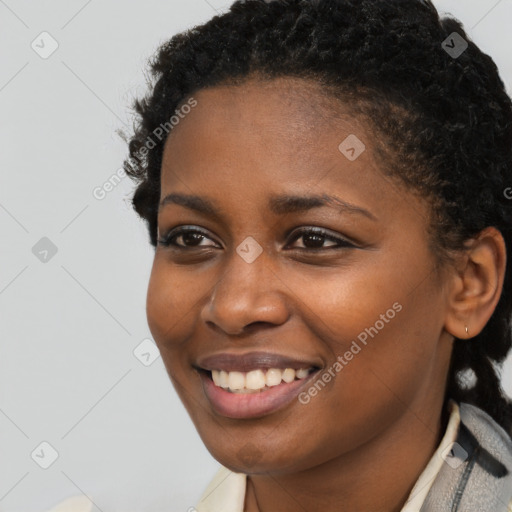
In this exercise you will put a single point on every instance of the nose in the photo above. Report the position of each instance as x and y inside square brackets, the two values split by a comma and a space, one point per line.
[246, 295]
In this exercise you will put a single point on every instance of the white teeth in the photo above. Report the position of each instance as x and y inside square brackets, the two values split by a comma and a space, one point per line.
[303, 372]
[236, 380]
[273, 377]
[223, 379]
[256, 380]
[289, 375]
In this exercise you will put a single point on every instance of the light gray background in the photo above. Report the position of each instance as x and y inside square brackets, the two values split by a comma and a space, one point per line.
[68, 327]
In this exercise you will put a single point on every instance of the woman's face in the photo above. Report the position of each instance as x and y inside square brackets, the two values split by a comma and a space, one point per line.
[359, 308]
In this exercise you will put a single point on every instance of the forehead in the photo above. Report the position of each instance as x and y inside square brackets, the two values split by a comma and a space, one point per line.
[296, 96]
[243, 144]
[292, 120]
[303, 103]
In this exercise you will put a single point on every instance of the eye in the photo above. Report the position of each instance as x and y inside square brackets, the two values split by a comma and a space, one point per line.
[314, 239]
[190, 238]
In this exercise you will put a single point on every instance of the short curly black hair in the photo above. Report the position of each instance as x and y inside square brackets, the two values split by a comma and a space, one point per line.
[445, 121]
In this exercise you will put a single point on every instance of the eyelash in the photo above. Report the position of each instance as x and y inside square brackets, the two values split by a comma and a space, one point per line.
[169, 239]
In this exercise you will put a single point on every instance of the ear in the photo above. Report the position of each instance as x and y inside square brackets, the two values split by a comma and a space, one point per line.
[476, 284]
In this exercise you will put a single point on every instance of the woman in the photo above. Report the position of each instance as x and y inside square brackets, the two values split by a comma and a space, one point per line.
[325, 184]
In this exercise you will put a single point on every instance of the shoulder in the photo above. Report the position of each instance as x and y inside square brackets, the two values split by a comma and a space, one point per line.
[487, 432]
[478, 470]
[74, 504]
[225, 492]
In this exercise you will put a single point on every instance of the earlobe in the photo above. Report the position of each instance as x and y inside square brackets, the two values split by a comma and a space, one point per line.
[476, 284]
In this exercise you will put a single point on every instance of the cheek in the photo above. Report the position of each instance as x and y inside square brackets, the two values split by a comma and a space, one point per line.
[380, 325]
[360, 300]
[170, 307]
[391, 302]
[171, 299]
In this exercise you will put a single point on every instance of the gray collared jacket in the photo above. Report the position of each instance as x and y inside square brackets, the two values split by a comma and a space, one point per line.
[477, 476]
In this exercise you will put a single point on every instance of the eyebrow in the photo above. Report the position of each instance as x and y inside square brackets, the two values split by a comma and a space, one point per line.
[279, 205]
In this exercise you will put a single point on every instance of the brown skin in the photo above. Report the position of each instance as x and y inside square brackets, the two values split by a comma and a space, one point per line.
[363, 441]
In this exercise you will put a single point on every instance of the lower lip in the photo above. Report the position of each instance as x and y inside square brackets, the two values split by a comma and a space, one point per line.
[252, 405]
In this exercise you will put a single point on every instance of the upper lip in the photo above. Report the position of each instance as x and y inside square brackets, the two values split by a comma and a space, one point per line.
[252, 361]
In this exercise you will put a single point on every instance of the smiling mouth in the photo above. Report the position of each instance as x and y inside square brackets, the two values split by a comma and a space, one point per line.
[256, 381]
[254, 384]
